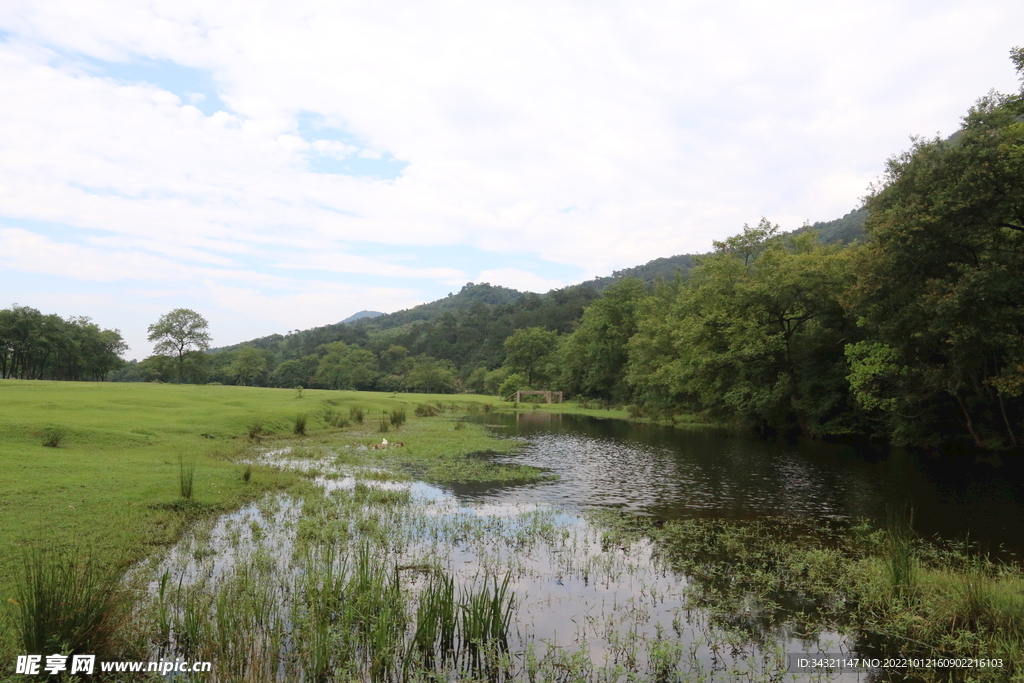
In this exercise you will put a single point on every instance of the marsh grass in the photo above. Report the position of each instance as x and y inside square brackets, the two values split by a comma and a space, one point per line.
[65, 601]
[356, 414]
[384, 425]
[899, 551]
[300, 424]
[255, 429]
[397, 417]
[53, 436]
[247, 473]
[186, 477]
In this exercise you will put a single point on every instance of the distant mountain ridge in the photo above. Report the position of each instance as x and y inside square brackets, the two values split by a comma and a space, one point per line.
[354, 329]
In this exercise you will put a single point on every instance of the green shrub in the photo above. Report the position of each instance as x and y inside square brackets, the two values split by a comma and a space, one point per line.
[424, 410]
[52, 436]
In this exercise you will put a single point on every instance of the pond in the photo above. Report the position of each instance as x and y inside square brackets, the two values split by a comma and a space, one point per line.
[340, 582]
[674, 473]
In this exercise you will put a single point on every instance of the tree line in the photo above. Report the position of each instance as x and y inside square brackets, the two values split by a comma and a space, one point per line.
[34, 345]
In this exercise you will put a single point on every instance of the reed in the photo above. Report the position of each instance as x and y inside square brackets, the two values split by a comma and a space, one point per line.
[397, 417]
[899, 551]
[186, 477]
[65, 601]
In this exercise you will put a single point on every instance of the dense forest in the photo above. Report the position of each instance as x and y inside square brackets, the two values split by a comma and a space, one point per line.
[902, 320]
[38, 346]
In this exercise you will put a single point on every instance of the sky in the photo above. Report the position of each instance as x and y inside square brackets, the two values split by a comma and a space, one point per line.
[282, 165]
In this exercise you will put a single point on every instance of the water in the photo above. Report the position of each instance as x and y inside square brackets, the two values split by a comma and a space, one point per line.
[585, 608]
[673, 473]
[603, 612]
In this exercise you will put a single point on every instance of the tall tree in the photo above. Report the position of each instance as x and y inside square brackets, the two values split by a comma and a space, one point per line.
[529, 351]
[755, 335]
[593, 358]
[940, 288]
[179, 332]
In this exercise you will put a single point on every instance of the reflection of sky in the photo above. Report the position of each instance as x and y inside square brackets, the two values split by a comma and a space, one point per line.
[573, 593]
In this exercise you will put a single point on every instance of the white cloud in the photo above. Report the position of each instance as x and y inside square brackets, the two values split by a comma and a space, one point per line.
[595, 137]
[519, 279]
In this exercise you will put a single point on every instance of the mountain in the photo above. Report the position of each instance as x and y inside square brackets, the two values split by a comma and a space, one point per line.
[433, 327]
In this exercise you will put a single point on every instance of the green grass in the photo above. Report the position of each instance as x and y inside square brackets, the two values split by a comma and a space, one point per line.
[114, 480]
[67, 602]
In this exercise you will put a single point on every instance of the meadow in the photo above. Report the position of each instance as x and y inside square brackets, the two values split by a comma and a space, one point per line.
[100, 465]
[273, 532]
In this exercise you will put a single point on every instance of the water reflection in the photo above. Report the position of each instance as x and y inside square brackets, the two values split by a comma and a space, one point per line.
[674, 473]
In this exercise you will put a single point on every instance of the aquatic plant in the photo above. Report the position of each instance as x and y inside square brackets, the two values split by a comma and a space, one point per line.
[65, 601]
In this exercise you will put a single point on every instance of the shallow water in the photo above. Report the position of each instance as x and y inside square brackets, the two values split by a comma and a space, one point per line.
[586, 608]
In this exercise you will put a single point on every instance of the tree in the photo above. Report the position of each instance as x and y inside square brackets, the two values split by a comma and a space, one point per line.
[179, 332]
[756, 336]
[529, 351]
[431, 376]
[594, 356]
[347, 367]
[939, 287]
[248, 365]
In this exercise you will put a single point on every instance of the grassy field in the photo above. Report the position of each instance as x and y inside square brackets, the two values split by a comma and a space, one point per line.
[110, 477]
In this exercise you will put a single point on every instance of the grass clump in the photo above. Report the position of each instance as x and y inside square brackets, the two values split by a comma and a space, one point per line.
[356, 414]
[300, 424]
[899, 552]
[53, 436]
[255, 429]
[384, 425]
[397, 417]
[186, 477]
[65, 601]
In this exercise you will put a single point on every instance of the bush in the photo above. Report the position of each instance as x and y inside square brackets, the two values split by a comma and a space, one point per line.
[511, 385]
[52, 436]
[424, 410]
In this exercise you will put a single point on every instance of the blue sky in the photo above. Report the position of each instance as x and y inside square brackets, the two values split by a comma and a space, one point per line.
[278, 166]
